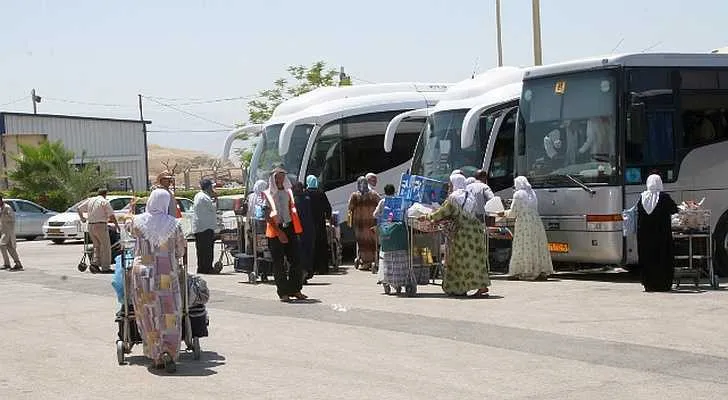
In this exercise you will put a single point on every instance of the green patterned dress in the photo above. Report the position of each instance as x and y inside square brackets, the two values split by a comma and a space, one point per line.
[466, 263]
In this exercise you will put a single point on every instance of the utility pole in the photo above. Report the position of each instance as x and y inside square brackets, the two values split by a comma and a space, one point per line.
[498, 31]
[36, 99]
[536, 11]
[146, 148]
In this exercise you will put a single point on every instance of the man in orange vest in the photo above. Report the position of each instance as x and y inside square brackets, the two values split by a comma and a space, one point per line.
[282, 229]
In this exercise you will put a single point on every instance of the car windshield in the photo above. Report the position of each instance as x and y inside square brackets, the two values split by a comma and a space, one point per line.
[438, 151]
[74, 208]
[566, 130]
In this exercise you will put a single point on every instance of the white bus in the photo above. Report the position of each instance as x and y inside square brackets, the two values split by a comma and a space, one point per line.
[441, 147]
[343, 140]
[591, 131]
[266, 153]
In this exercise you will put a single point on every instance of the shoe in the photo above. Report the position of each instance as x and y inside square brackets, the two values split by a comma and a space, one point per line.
[169, 364]
[16, 268]
[94, 269]
[5, 267]
[284, 299]
[299, 296]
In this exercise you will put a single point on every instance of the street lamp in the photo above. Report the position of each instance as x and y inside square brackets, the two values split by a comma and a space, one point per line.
[36, 99]
[498, 31]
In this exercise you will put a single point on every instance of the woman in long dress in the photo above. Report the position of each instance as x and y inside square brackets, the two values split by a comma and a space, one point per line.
[654, 236]
[256, 213]
[155, 280]
[306, 239]
[466, 264]
[530, 258]
[321, 211]
[362, 204]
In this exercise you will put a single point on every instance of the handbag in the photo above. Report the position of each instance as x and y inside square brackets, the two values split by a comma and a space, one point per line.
[630, 218]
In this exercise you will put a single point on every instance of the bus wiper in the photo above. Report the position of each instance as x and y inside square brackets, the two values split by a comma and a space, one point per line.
[581, 184]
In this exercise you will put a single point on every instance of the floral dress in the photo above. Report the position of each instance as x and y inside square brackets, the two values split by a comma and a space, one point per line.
[466, 263]
[156, 294]
[530, 257]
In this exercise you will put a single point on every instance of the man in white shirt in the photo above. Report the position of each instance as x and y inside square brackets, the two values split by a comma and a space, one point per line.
[204, 223]
[7, 237]
[481, 192]
[98, 214]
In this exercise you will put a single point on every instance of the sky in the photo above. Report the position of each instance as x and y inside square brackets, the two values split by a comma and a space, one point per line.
[194, 60]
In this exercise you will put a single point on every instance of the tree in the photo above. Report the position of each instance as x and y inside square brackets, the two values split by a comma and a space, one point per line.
[305, 79]
[45, 174]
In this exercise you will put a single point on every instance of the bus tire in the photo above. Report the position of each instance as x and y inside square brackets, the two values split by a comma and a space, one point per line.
[720, 254]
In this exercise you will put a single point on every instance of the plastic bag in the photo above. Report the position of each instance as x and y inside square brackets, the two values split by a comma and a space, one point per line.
[117, 282]
[197, 290]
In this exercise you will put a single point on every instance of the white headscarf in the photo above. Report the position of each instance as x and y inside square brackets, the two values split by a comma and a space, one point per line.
[459, 195]
[155, 224]
[272, 187]
[524, 192]
[470, 180]
[651, 196]
[260, 186]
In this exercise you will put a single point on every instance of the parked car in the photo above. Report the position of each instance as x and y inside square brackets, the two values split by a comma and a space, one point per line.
[184, 208]
[229, 207]
[68, 226]
[29, 218]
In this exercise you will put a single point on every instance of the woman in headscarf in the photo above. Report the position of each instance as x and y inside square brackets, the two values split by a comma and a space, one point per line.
[256, 213]
[466, 264]
[155, 280]
[530, 257]
[321, 212]
[654, 236]
[361, 206]
[305, 242]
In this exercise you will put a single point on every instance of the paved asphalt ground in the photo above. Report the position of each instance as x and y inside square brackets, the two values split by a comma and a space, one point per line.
[573, 337]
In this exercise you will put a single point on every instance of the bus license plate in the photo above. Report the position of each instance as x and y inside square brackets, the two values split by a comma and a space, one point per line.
[558, 247]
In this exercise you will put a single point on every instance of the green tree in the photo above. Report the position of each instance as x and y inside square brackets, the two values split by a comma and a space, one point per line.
[304, 80]
[44, 174]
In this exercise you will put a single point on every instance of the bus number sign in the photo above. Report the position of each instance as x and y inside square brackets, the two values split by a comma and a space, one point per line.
[560, 87]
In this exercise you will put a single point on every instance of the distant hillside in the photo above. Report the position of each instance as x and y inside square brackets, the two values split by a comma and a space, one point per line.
[196, 160]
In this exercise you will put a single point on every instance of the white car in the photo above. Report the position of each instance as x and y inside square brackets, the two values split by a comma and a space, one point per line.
[68, 226]
[184, 206]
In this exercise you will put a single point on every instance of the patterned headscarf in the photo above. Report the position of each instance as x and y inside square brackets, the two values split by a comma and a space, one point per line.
[362, 185]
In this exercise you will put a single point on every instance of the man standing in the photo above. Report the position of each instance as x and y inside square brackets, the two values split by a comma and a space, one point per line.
[7, 237]
[99, 213]
[204, 223]
[282, 228]
[481, 192]
[164, 181]
[372, 180]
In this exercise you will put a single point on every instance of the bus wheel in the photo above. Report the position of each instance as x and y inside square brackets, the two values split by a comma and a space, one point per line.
[720, 236]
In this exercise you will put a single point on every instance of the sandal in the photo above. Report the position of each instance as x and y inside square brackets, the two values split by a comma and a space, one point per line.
[299, 296]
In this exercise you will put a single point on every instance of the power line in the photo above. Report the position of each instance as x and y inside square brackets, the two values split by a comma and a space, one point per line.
[188, 130]
[190, 102]
[88, 103]
[14, 101]
[188, 113]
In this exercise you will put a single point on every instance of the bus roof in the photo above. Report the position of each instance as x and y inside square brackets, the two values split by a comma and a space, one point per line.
[332, 110]
[631, 60]
[325, 94]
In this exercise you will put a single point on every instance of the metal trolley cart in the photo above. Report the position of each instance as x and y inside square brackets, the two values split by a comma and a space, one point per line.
[424, 242]
[262, 260]
[129, 334]
[694, 247]
[231, 241]
[88, 248]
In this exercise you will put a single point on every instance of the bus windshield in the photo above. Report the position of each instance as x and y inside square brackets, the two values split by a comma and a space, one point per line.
[438, 151]
[266, 155]
[567, 130]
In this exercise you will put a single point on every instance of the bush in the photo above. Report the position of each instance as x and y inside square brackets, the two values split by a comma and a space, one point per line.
[190, 194]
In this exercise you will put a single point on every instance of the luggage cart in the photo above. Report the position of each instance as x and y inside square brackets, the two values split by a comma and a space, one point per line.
[262, 260]
[231, 237]
[694, 248]
[424, 250]
[88, 249]
[333, 236]
[128, 331]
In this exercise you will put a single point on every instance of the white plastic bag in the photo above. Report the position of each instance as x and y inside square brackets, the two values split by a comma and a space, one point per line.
[494, 206]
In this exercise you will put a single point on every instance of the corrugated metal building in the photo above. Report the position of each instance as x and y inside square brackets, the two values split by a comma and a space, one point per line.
[120, 144]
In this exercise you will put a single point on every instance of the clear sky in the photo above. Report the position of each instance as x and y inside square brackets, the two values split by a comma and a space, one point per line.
[105, 52]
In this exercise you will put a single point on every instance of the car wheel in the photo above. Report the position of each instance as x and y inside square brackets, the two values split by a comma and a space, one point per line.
[58, 241]
[30, 238]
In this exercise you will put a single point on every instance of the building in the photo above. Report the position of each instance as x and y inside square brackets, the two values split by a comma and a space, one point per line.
[119, 144]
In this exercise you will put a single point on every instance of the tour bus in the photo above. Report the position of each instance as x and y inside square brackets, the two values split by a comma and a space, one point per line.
[341, 140]
[441, 148]
[589, 132]
[266, 155]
